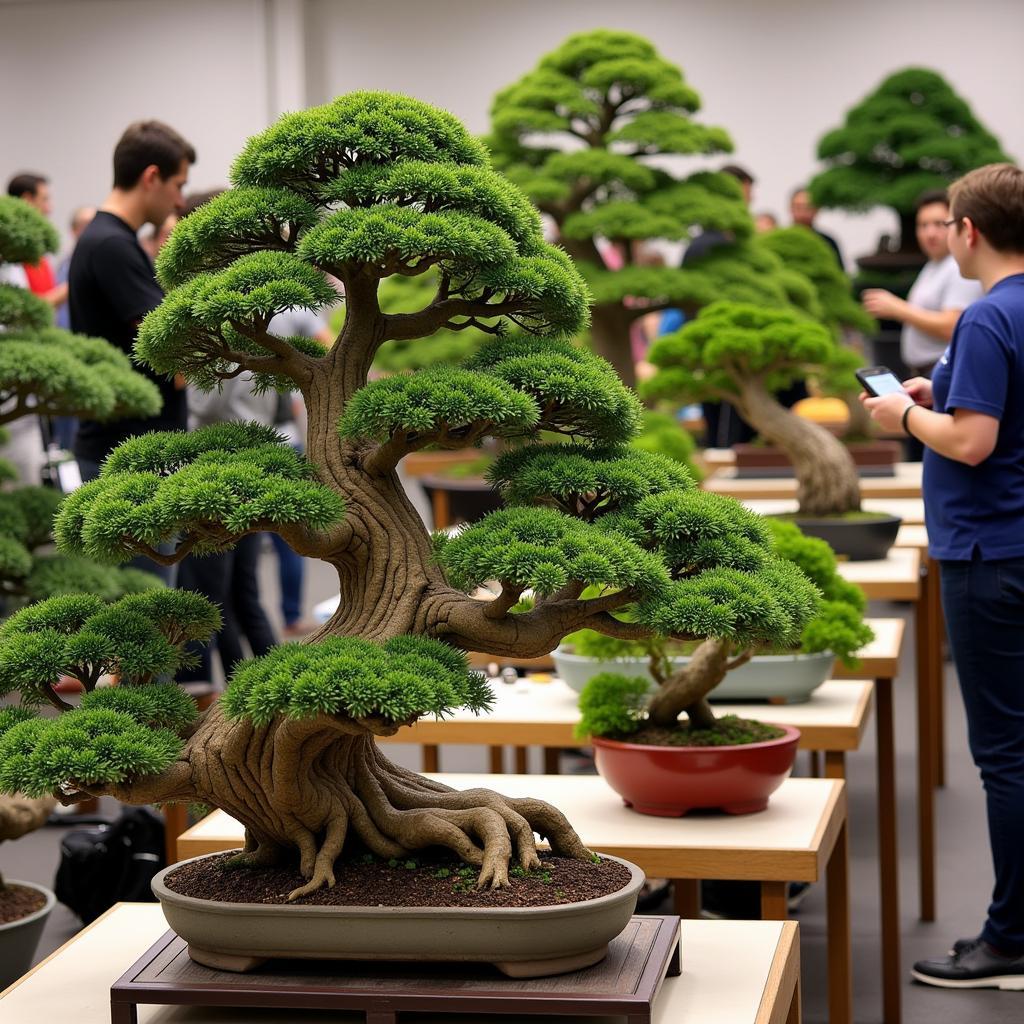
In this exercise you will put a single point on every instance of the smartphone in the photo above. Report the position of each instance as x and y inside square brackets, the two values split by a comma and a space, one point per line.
[879, 380]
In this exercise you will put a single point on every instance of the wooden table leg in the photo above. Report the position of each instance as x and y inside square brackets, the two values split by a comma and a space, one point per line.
[123, 1013]
[431, 757]
[686, 897]
[840, 980]
[441, 508]
[521, 766]
[497, 755]
[551, 761]
[815, 763]
[773, 901]
[175, 822]
[795, 1015]
[888, 853]
[835, 764]
[933, 618]
[926, 761]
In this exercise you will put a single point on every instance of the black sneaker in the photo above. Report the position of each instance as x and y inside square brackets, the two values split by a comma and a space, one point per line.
[975, 965]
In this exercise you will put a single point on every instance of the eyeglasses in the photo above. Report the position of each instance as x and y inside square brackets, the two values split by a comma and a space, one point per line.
[950, 223]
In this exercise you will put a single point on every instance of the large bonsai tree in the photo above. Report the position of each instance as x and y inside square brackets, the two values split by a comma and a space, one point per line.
[582, 135]
[616, 705]
[368, 186]
[742, 354]
[911, 134]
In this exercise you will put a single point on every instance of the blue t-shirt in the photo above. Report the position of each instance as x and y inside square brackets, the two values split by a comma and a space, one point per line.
[980, 509]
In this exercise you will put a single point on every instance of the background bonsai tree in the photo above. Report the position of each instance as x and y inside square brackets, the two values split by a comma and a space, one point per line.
[362, 188]
[911, 134]
[741, 354]
[612, 704]
[581, 135]
[47, 371]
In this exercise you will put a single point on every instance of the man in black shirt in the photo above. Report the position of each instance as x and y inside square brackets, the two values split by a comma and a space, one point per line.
[111, 281]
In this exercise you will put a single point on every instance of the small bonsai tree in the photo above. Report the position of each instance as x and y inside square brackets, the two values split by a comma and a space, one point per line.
[741, 354]
[616, 705]
[362, 188]
[911, 134]
[581, 134]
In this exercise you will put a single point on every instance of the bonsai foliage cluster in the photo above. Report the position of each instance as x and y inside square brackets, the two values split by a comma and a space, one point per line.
[364, 188]
[617, 705]
[742, 354]
[913, 133]
[582, 135]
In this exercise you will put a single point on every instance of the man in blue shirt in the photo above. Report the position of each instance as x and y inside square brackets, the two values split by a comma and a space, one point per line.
[970, 417]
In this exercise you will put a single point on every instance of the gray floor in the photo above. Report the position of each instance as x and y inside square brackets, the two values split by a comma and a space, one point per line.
[964, 867]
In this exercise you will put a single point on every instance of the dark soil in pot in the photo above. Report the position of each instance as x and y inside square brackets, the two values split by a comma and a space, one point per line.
[729, 732]
[420, 881]
[18, 901]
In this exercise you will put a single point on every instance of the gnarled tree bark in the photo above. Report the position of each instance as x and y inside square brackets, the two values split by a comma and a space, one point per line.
[827, 481]
[688, 688]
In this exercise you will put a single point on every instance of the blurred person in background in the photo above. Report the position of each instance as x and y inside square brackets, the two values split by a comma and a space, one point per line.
[34, 189]
[804, 213]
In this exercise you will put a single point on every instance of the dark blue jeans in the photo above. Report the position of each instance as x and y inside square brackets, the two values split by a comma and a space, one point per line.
[291, 572]
[984, 607]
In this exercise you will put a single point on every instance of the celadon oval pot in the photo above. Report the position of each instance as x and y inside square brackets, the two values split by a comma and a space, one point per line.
[790, 678]
[520, 941]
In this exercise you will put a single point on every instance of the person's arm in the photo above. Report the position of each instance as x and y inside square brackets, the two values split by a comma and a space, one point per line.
[56, 296]
[938, 323]
[965, 436]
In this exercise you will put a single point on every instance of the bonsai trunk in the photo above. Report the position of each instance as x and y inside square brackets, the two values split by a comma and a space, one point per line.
[687, 690]
[859, 423]
[20, 815]
[610, 336]
[827, 481]
[310, 784]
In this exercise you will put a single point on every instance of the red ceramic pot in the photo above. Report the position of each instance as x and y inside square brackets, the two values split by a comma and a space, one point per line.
[669, 781]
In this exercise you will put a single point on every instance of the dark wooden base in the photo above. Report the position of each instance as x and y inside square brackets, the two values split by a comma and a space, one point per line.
[625, 983]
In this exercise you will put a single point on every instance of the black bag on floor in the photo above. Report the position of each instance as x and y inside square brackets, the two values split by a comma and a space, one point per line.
[106, 864]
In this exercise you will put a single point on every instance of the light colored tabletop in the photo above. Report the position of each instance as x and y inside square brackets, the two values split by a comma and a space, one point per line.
[879, 659]
[545, 715]
[894, 578]
[912, 535]
[734, 972]
[906, 483]
[911, 510]
[790, 841]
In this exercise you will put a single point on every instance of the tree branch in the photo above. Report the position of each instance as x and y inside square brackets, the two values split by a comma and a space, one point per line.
[508, 598]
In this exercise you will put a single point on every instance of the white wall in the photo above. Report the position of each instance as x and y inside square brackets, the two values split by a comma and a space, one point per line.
[775, 73]
[75, 73]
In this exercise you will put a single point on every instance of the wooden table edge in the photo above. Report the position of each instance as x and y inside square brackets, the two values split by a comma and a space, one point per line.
[824, 840]
[783, 977]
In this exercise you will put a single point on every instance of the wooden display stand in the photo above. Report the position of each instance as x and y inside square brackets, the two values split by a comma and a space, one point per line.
[626, 983]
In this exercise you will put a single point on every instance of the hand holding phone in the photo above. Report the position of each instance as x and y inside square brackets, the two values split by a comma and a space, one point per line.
[880, 380]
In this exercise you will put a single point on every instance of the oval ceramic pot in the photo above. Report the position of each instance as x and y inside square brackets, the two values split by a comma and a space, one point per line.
[859, 540]
[790, 678]
[520, 941]
[670, 781]
[19, 939]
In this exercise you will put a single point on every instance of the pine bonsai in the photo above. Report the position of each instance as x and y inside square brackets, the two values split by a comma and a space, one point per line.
[362, 188]
[581, 134]
[741, 354]
[913, 133]
[615, 706]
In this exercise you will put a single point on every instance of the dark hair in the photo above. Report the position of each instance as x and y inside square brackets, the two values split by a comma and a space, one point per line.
[993, 197]
[145, 143]
[25, 183]
[739, 173]
[797, 191]
[933, 195]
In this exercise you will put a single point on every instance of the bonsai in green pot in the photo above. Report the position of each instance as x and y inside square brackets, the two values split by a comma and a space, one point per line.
[741, 354]
[362, 188]
[913, 133]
